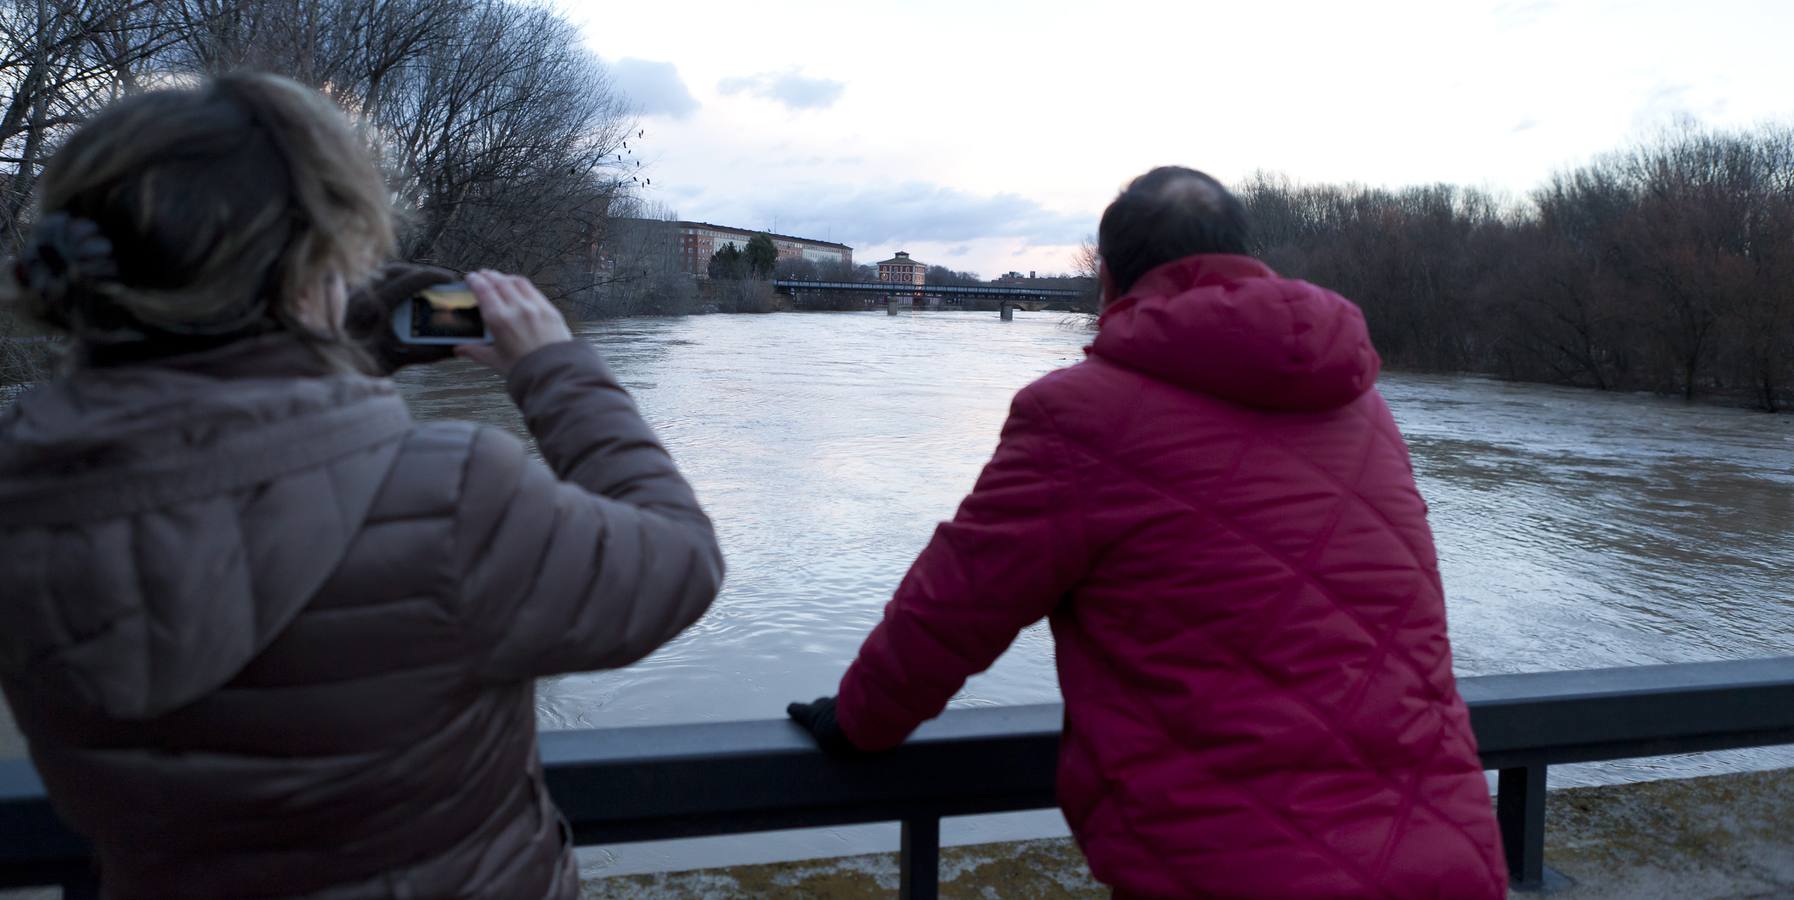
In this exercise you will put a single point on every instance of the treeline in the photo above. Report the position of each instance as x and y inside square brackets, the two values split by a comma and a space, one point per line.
[1667, 267]
[501, 135]
[640, 270]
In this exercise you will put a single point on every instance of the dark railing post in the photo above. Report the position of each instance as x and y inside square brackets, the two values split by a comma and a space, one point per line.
[920, 862]
[1520, 807]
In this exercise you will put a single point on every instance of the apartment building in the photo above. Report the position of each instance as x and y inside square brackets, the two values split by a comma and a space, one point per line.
[698, 241]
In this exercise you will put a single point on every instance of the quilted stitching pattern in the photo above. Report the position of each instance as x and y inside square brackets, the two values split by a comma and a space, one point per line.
[1252, 646]
[318, 676]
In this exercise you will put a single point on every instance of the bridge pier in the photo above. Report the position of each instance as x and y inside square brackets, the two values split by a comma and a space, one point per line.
[1006, 312]
[890, 306]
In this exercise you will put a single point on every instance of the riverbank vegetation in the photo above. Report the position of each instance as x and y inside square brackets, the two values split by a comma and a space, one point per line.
[1665, 267]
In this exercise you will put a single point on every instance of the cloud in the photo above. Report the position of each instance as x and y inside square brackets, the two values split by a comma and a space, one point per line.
[654, 87]
[1669, 104]
[1667, 94]
[864, 215]
[1526, 124]
[794, 90]
[1521, 13]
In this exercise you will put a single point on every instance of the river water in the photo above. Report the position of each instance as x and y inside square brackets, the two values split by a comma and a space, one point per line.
[1575, 529]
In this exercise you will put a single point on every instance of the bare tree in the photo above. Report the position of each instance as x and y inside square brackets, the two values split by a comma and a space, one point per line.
[497, 129]
[640, 270]
[499, 132]
[1667, 267]
[60, 60]
[1085, 261]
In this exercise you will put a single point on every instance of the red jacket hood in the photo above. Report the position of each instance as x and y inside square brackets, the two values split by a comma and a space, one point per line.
[1227, 326]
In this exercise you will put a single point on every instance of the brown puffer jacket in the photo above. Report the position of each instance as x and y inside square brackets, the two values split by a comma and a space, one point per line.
[267, 636]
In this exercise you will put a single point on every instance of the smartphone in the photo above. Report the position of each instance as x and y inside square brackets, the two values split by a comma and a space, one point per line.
[443, 314]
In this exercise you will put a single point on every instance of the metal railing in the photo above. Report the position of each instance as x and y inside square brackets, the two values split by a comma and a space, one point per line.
[930, 290]
[634, 784]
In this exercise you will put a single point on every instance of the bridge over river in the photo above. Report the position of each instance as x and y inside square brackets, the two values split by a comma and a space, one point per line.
[1008, 296]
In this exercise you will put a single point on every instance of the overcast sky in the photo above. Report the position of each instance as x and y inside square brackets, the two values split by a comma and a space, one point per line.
[988, 135]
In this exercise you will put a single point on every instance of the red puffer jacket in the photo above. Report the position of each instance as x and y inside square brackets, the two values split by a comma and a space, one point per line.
[1218, 515]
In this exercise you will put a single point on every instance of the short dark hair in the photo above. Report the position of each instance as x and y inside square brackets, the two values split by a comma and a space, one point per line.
[1169, 213]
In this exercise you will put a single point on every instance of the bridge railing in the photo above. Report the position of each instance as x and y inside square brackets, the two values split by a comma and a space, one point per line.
[634, 784]
[944, 290]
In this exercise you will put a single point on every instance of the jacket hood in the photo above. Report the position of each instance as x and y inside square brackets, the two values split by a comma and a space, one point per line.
[1227, 326]
[161, 522]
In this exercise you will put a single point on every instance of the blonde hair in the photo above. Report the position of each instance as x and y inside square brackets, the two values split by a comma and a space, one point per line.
[205, 211]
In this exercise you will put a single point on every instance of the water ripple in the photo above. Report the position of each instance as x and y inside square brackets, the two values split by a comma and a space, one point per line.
[1575, 529]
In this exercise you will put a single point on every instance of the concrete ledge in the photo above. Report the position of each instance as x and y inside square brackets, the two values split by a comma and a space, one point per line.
[1051, 868]
[1724, 836]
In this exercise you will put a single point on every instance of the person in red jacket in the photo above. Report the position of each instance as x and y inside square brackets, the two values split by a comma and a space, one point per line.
[1218, 516]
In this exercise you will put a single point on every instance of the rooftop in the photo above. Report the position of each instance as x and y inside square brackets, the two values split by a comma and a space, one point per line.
[749, 232]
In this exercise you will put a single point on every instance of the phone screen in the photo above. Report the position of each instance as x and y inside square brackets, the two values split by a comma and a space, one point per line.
[447, 311]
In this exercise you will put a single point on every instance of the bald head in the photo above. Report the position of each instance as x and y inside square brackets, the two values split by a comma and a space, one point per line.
[1167, 214]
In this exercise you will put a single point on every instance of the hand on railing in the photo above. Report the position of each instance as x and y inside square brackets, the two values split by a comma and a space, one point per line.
[818, 717]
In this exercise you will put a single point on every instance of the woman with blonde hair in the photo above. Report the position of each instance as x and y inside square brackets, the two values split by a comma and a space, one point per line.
[265, 634]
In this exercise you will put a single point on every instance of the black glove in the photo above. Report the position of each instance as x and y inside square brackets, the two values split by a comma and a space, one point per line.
[368, 319]
[818, 717]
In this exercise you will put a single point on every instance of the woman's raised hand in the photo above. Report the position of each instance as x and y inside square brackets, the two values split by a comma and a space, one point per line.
[521, 320]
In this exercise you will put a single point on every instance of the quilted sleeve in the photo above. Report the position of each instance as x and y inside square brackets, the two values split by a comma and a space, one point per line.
[1014, 548]
[592, 564]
